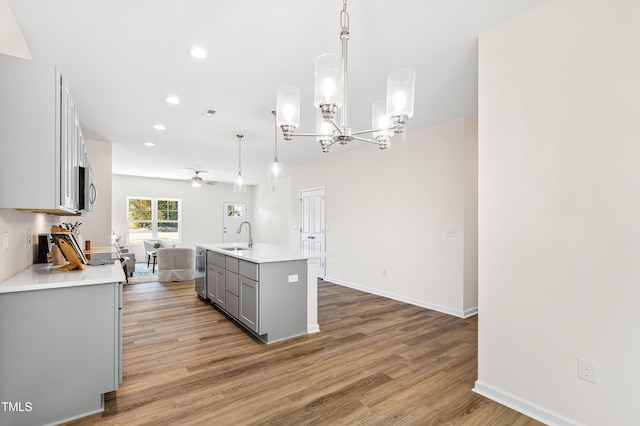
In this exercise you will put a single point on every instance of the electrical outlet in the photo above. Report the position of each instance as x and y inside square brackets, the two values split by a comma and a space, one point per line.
[450, 232]
[586, 370]
[28, 237]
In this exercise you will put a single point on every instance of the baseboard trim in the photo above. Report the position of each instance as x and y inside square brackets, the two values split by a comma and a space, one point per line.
[315, 328]
[470, 312]
[523, 406]
[445, 310]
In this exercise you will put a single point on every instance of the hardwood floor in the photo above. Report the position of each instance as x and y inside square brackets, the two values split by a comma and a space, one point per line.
[375, 362]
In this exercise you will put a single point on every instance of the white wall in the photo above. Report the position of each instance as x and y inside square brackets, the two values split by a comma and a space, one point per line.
[201, 207]
[22, 251]
[470, 206]
[272, 219]
[391, 210]
[559, 211]
[11, 39]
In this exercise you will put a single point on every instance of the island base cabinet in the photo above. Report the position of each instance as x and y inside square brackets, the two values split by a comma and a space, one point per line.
[275, 306]
[216, 277]
[60, 352]
[249, 304]
[231, 299]
[232, 305]
[282, 300]
[268, 298]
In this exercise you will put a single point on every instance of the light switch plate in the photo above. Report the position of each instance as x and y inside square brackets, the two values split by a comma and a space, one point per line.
[5, 238]
[293, 278]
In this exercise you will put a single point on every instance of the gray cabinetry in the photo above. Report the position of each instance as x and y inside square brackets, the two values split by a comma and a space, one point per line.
[269, 299]
[249, 303]
[249, 291]
[249, 269]
[216, 277]
[231, 296]
[60, 351]
[40, 139]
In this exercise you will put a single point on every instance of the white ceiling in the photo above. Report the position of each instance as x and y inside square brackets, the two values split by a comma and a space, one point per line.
[124, 57]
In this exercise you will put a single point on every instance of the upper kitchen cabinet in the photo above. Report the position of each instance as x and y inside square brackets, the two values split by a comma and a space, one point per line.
[42, 153]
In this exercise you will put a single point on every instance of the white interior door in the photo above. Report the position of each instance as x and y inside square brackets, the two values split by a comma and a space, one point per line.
[312, 223]
[233, 215]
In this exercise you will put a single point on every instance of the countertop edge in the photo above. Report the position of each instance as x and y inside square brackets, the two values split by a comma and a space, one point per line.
[28, 279]
[262, 253]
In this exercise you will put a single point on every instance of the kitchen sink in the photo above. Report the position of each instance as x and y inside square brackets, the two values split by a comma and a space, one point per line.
[234, 248]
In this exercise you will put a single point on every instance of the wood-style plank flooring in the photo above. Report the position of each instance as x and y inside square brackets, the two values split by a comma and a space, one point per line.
[375, 362]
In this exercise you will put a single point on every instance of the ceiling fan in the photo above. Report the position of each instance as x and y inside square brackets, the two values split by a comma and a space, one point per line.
[197, 181]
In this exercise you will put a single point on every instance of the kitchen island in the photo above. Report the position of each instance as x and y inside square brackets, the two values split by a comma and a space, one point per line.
[270, 290]
[60, 342]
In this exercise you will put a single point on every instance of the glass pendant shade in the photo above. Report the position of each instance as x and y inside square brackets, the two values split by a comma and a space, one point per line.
[239, 185]
[275, 173]
[276, 169]
[381, 122]
[401, 86]
[288, 106]
[329, 81]
[324, 132]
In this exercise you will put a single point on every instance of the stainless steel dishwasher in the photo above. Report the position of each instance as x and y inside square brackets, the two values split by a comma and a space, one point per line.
[201, 268]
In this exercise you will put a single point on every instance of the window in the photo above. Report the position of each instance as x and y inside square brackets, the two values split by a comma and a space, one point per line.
[153, 218]
[235, 210]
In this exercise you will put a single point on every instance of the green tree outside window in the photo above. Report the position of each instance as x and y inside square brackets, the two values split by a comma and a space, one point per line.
[153, 219]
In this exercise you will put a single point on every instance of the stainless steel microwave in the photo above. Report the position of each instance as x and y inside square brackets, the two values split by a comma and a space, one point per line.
[87, 193]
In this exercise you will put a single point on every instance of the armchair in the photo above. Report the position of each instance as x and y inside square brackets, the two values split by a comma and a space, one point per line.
[128, 261]
[149, 247]
[176, 264]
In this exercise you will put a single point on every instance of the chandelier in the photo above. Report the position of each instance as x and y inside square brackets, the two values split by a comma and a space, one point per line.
[388, 118]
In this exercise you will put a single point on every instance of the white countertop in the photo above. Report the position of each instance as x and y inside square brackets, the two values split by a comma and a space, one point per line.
[45, 276]
[263, 253]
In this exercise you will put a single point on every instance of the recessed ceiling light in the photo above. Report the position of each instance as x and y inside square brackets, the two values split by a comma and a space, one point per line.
[149, 144]
[198, 53]
[159, 127]
[172, 100]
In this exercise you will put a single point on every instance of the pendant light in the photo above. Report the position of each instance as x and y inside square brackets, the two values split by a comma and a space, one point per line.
[276, 168]
[239, 185]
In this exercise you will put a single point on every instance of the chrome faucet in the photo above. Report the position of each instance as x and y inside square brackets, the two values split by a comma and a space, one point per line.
[240, 230]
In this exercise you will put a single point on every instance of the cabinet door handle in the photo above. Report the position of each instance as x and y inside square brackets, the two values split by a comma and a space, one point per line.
[311, 237]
